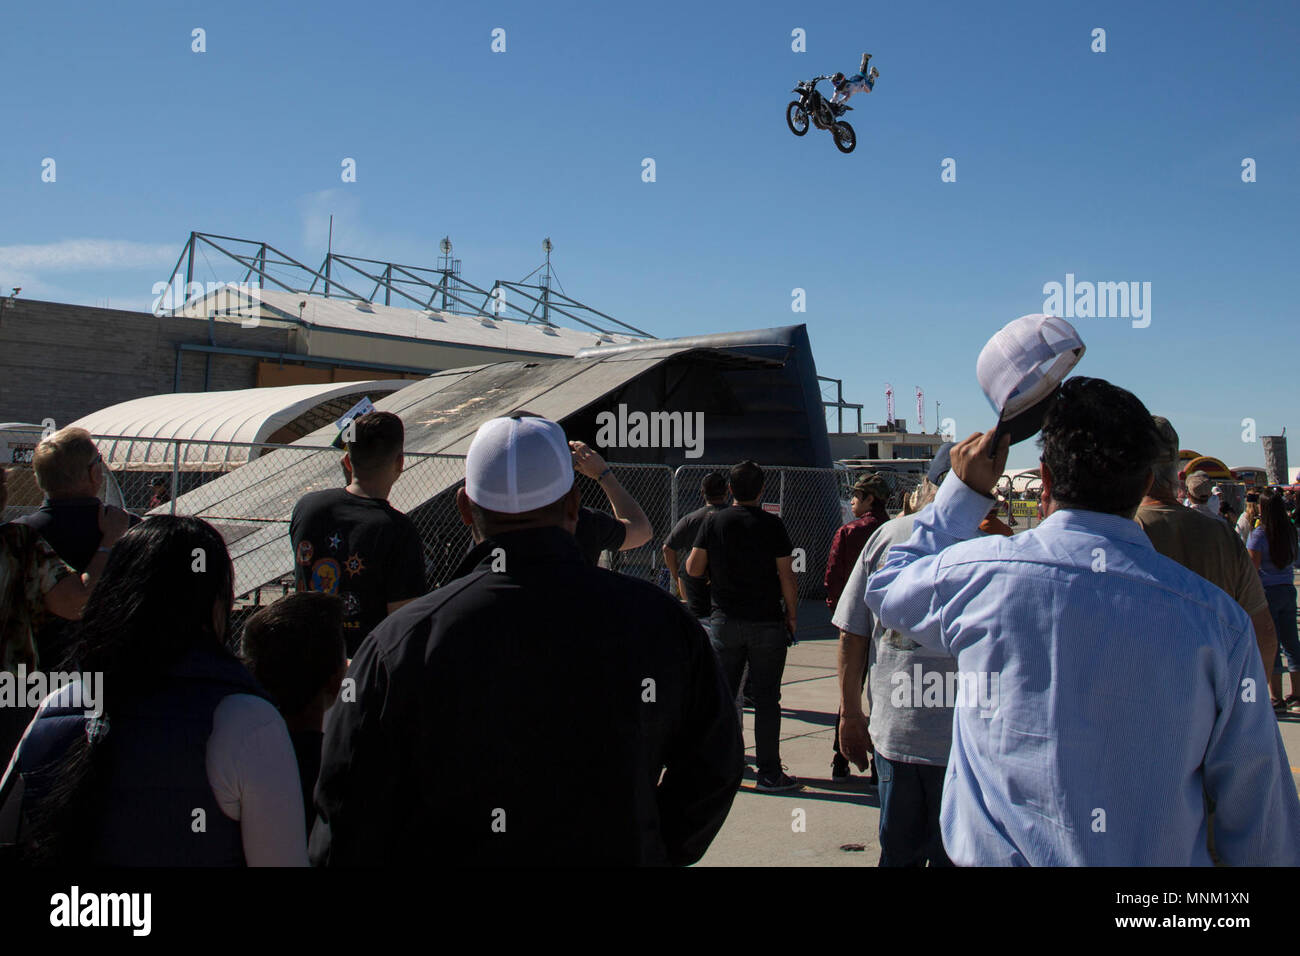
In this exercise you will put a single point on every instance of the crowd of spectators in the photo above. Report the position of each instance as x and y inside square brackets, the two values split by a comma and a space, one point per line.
[1104, 678]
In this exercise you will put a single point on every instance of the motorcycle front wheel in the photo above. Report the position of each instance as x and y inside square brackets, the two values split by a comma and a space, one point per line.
[845, 138]
[796, 118]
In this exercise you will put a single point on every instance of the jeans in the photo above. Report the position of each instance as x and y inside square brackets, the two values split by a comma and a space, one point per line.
[910, 794]
[1281, 607]
[761, 644]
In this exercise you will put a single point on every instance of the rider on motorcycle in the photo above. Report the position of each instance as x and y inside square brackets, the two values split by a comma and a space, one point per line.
[860, 82]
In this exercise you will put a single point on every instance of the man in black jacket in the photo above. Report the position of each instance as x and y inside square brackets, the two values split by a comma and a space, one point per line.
[70, 471]
[533, 710]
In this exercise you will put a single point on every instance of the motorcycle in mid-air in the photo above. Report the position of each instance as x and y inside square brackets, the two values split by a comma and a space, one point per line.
[813, 108]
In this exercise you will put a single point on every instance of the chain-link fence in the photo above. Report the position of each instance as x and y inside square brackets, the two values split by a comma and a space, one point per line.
[251, 507]
[901, 485]
[17, 446]
[811, 502]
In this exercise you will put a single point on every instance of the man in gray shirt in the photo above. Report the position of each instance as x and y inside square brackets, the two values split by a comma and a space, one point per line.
[909, 708]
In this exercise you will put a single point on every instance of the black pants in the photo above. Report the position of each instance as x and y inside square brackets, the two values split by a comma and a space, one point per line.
[763, 645]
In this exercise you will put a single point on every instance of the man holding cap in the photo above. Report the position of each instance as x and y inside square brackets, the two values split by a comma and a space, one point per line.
[533, 710]
[1106, 691]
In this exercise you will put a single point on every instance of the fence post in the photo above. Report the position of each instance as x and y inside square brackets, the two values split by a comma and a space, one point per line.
[176, 474]
[672, 509]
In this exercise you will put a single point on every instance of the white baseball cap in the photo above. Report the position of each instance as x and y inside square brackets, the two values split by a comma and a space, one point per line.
[1021, 368]
[518, 464]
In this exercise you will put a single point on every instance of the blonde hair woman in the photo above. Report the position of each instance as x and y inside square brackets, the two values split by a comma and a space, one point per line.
[1249, 519]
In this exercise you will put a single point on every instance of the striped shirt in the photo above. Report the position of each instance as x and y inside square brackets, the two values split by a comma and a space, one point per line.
[1116, 690]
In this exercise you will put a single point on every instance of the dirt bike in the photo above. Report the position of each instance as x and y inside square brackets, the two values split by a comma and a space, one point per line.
[813, 108]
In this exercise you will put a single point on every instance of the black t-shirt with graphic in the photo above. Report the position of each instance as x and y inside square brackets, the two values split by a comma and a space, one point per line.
[362, 549]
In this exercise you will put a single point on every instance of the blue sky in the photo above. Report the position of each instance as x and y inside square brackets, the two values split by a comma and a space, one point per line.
[1115, 166]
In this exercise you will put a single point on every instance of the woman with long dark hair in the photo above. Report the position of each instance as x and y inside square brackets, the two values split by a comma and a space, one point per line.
[1273, 548]
[186, 763]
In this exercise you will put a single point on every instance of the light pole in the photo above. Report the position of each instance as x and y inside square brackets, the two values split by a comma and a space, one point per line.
[546, 282]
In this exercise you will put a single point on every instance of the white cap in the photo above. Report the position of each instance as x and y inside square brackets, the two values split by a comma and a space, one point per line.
[1022, 366]
[518, 464]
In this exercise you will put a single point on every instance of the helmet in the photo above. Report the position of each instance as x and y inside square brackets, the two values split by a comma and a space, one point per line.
[837, 79]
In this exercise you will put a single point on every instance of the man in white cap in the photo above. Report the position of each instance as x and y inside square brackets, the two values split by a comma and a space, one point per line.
[533, 710]
[1104, 691]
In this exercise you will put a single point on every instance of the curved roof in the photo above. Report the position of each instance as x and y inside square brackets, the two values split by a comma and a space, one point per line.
[139, 434]
[1211, 466]
[759, 390]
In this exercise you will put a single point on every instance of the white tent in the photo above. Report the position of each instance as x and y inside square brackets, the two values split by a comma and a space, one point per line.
[217, 431]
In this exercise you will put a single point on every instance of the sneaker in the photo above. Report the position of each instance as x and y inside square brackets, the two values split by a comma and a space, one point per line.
[777, 782]
[840, 770]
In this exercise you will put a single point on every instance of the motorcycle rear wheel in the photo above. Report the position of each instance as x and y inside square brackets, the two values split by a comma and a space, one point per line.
[796, 118]
[845, 139]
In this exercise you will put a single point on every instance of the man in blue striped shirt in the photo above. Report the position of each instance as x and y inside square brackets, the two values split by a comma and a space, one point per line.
[1105, 691]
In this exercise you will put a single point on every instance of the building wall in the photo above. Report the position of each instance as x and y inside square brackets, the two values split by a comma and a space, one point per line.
[64, 361]
[888, 445]
[272, 374]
